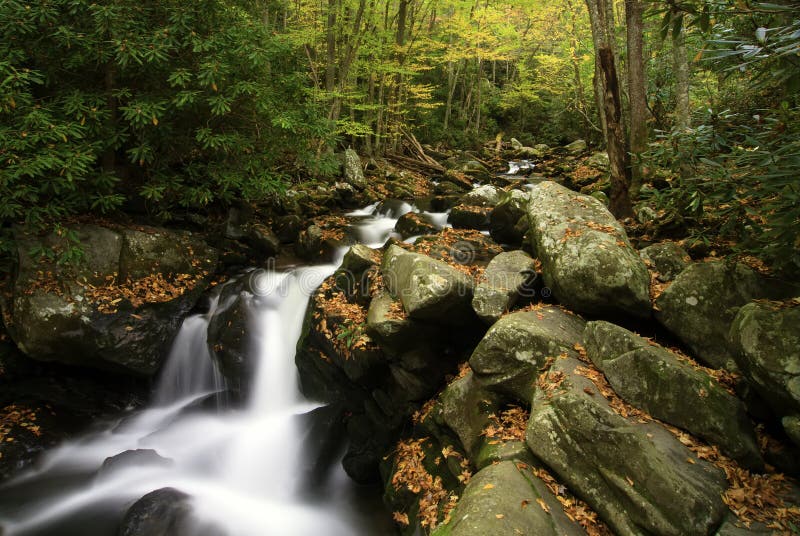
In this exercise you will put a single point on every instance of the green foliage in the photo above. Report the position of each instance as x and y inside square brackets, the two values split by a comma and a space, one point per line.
[736, 176]
[177, 104]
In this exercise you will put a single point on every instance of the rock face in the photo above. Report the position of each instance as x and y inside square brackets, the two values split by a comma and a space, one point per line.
[587, 260]
[79, 319]
[699, 306]
[506, 276]
[427, 288]
[766, 344]
[163, 512]
[504, 219]
[228, 335]
[502, 499]
[655, 380]
[516, 349]
[636, 476]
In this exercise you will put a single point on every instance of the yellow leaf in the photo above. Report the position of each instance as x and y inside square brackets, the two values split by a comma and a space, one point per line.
[155, 121]
[499, 516]
[488, 486]
[543, 505]
[214, 86]
[64, 137]
[83, 120]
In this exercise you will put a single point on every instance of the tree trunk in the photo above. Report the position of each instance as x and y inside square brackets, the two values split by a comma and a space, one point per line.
[620, 203]
[681, 62]
[636, 91]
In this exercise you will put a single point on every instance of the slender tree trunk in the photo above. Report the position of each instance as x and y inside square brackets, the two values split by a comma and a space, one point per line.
[681, 63]
[616, 141]
[636, 91]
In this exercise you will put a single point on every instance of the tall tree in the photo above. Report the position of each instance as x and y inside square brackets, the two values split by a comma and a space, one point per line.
[616, 141]
[637, 98]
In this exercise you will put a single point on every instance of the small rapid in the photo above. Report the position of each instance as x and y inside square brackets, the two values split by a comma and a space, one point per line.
[243, 467]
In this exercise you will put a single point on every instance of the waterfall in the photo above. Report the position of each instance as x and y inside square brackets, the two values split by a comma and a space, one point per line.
[243, 468]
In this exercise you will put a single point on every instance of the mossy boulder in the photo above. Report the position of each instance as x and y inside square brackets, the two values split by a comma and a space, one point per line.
[414, 224]
[667, 259]
[505, 217]
[469, 217]
[586, 257]
[702, 301]
[466, 407]
[503, 499]
[765, 339]
[650, 377]
[508, 276]
[119, 308]
[519, 346]
[428, 289]
[637, 476]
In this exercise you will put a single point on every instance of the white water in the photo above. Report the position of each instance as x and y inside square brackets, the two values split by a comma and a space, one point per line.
[242, 468]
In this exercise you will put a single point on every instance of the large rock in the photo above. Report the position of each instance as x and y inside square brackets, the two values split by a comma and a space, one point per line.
[504, 219]
[766, 345]
[414, 224]
[638, 477]
[667, 259]
[576, 147]
[506, 276]
[119, 309]
[469, 217]
[587, 259]
[466, 407]
[428, 289]
[700, 304]
[517, 348]
[482, 196]
[353, 172]
[163, 512]
[503, 499]
[651, 378]
[229, 337]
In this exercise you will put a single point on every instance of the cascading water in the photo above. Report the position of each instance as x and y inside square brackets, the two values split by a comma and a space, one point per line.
[243, 469]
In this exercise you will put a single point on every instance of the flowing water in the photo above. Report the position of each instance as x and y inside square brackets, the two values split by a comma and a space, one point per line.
[243, 468]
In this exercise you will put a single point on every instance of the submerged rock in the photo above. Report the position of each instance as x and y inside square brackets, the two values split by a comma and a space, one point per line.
[700, 304]
[518, 347]
[636, 476]
[586, 257]
[655, 380]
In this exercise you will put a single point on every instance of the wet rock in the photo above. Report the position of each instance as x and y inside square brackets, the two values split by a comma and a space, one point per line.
[506, 276]
[414, 224]
[133, 459]
[52, 317]
[288, 228]
[765, 340]
[428, 289]
[635, 476]
[667, 259]
[504, 499]
[702, 301]
[469, 217]
[229, 334]
[506, 215]
[517, 348]
[164, 512]
[586, 257]
[655, 380]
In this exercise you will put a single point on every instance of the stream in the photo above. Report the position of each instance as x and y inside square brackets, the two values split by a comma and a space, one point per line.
[243, 468]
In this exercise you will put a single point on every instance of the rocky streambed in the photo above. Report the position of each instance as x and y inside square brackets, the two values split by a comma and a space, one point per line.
[523, 369]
